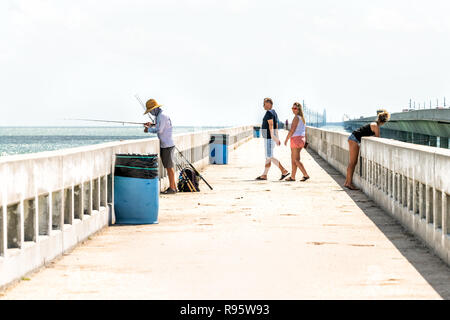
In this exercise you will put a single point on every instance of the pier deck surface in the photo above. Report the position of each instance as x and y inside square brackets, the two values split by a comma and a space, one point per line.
[250, 240]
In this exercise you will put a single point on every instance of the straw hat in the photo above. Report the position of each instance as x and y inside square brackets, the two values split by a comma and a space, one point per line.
[151, 104]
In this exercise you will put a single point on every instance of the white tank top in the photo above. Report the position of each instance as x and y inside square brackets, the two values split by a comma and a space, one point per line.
[301, 128]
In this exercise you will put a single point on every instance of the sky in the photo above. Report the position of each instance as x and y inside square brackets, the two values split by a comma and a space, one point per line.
[213, 62]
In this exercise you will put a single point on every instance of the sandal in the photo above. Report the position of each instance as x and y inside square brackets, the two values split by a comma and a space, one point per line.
[352, 188]
[289, 179]
[169, 191]
[259, 178]
[304, 179]
[284, 175]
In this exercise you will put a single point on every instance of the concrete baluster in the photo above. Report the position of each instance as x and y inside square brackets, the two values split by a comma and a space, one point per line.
[416, 197]
[57, 210]
[87, 198]
[410, 195]
[103, 191]
[376, 175]
[31, 230]
[389, 183]
[422, 201]
[379, 176]
[429, 204]
[444, 213]
[404, 191]
[394, 186]
[3, 230]
[22, 224]
[43, 215]
[14, 224]
[110, 197]
[96, 194]
[371, 174]
[78, 202]
[68, 205]
[437, 208]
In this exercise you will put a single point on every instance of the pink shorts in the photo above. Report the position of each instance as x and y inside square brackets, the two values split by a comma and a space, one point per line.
[298, 142]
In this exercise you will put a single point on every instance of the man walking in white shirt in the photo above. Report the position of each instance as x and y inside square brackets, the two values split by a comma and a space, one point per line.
[163, 128]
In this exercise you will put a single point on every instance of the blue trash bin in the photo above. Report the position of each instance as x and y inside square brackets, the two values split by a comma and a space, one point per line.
[256, 132]
[136, 189]
[218, 149]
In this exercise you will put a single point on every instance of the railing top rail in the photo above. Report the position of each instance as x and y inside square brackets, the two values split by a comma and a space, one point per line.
[409, 145]
[397, 143]
[69, 151]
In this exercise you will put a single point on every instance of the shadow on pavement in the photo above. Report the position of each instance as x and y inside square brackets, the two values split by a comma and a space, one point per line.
[429, 265]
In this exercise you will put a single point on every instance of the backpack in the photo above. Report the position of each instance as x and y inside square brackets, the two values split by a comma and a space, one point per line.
[187, 175]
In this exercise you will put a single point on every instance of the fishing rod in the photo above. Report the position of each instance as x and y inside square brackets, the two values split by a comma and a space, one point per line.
[111, 121]
[116, 121]
[190, 164]
[143, 106]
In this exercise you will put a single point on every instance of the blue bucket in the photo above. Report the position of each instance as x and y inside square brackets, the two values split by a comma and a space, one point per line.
[256, 132]
[136, 189]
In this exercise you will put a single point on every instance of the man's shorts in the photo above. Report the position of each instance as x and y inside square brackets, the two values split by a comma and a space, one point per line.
[269, 145]
[167, 157]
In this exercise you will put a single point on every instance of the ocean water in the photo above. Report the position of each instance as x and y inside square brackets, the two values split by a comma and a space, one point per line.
[20, 140]
[334, 128]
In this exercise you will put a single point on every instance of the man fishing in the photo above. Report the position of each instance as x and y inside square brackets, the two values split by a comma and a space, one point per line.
[163, 128]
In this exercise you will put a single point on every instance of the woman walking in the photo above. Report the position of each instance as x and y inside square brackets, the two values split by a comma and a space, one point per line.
[354, 142]
[297, 134]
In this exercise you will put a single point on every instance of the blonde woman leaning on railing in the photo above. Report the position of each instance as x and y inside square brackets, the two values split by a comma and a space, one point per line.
[354, 141]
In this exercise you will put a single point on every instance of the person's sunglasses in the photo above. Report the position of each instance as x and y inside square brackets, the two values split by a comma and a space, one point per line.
[294, 108]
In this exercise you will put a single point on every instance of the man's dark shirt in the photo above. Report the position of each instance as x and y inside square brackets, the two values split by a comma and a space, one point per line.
[270, 115]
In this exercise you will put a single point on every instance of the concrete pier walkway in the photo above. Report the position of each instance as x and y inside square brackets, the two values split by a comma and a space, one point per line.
[250, 240]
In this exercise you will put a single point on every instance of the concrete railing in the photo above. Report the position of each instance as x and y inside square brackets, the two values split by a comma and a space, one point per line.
[50, 201]
[411, 182]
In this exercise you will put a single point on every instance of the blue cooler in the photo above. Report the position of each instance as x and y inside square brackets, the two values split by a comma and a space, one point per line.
[256, 132]
[136, 189]
[218, 149]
